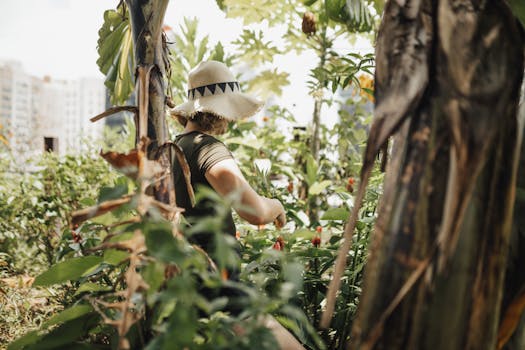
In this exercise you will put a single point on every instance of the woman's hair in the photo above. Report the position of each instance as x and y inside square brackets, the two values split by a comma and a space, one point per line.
[207, 122]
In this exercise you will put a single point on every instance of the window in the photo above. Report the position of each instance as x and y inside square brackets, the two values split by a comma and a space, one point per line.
[51, 144]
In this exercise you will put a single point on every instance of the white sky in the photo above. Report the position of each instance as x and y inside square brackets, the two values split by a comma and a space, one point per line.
[59, 38]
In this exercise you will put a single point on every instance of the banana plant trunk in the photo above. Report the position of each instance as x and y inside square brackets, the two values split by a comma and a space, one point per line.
[511, 334]
[147, 18]
[435, 274]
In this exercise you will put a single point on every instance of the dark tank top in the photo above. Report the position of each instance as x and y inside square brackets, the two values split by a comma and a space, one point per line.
[202, 151]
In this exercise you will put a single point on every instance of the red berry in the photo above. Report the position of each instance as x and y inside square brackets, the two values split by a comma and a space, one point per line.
[276, 246]
[316, 241]
[351, 180]
[319, 229]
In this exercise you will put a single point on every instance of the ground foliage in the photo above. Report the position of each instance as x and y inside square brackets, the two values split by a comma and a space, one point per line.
[285, 272]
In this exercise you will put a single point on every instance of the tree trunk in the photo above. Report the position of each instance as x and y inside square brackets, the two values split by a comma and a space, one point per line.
[147, 17]
[514, 338]
[434, 278]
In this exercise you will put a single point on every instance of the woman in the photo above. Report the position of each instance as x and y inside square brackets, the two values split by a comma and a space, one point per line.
[214, 100]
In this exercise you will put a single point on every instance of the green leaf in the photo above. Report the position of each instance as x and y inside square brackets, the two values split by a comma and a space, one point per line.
[254, 50]
[379, 5]
[108, 193]
[257, 11]
[116, 60]
[318, 187]
[26, 339]
[353, 13]
[154, 276]
[335, 214]
[67, 315]
[268, 82]
[161, 243]
[311, 169]
[309, 2]
[67, 333]
[64, 271]
[217, 53]
[114, 256]
[92, 287]
[304, 233]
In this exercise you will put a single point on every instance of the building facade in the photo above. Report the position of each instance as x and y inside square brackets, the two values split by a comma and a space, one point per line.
[45, 114]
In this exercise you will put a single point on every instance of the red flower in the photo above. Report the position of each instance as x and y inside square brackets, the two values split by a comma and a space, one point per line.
[76, 237]
[279, 243]
[316, 241]
[224, 274]
[350, 185]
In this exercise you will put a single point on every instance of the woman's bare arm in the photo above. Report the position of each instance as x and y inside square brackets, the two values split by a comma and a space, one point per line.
[226, 178]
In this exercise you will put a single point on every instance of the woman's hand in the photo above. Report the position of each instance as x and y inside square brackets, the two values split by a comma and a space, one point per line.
[280, 220]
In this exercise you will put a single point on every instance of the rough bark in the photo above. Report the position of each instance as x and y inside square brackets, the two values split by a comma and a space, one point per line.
[455, 68]
[146, 20]
[513, 338]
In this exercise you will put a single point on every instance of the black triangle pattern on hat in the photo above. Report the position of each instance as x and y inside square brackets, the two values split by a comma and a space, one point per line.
[201, 89]
[212, 88]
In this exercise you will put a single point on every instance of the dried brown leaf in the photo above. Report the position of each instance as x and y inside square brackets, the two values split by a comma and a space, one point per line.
[511, 319]
[82, 215]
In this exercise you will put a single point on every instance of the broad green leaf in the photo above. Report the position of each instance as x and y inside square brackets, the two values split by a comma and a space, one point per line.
[161, 243]
[116, 60]
[27, 339]
[108, 193]
[304, 233]
[311, 169]
[518, 8]
[318, 187]
[114, 256]
[67, 315]
[67, 333]
[154, 276]
[335, 214]
[92, 287]
[268, 82]
[64, 271]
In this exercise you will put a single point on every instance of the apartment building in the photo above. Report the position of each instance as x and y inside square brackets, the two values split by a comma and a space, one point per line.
[46, 114]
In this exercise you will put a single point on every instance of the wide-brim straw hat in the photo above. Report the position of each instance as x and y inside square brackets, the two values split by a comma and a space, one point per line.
[212, 88]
